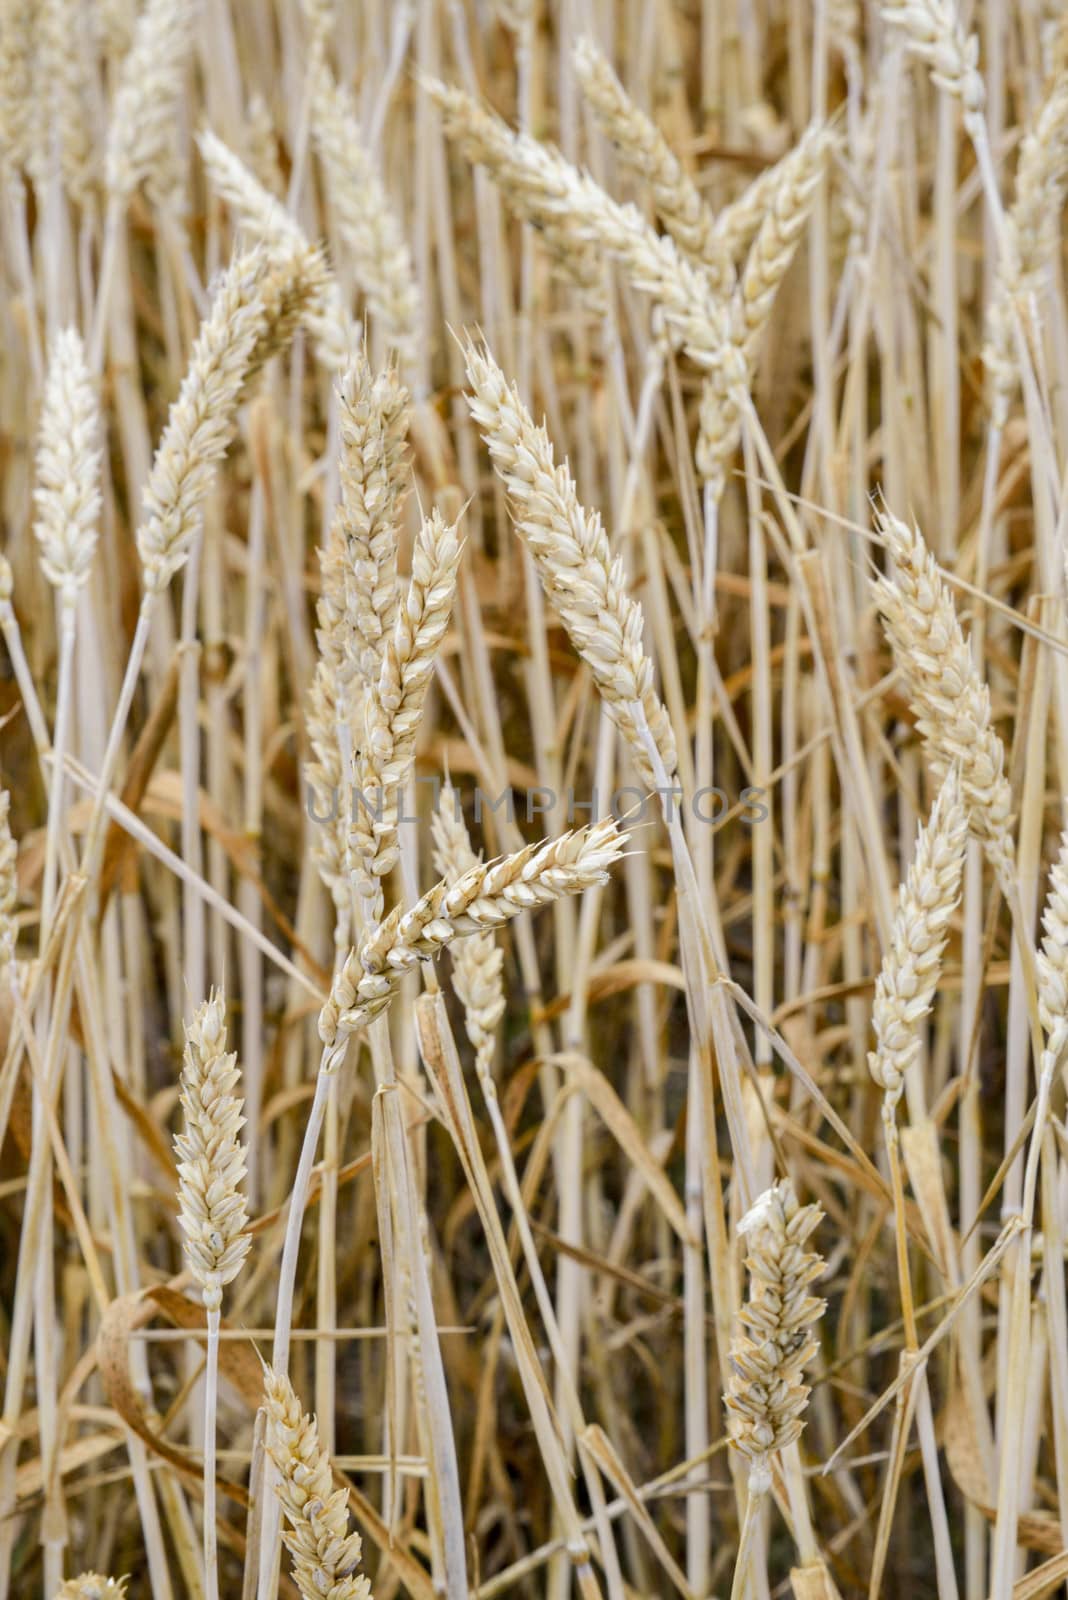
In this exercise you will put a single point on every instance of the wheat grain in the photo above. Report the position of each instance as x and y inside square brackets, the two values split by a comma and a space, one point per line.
[766, 1397]
[911, 965]
[211, 1161]
[951, 703]
[325, 1551]
[67, 494]
[570, 548]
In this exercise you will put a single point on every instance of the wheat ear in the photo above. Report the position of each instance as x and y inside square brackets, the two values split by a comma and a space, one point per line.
[325, 1550]
[393, 707]
[266, 219]
[16, 83]
[788, 207]
[585, 583]
[8, 886]
[950, 701]
[150, 85]
[483, 898]
[766, 1393]
[373, 416]
[934, 33]
[67, 493]
[252, 314]
[323, 774]
[1029, 239]
[477, 961]
[65, 142]
[364, 217]
[911, 965]
[212, 1210]
[766, 1396]
[645, 150]
[570, 208]
[92, 1586]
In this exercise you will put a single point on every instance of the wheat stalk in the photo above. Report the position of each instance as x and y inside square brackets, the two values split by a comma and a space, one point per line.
[325, 1551]
[950, 701]
[585, 583]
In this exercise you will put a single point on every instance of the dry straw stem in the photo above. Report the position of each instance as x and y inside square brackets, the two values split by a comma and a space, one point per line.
[483, 898]
[935, 34]
[949, 699]
[92, 1586]
[211, 1160]
[912, 963]
[144, 112]
[265, 218]
[364, 216]
[645, 150]
[587, 586]
[766, 1397]
[67, 493]
[325, 1551]
[393, 707]
[478, 961]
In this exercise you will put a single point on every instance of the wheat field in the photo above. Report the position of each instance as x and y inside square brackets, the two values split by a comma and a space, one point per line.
[534, 753]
